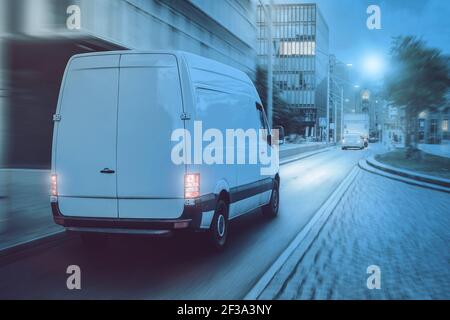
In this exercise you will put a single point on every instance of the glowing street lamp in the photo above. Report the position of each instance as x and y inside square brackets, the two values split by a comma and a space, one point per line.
[373, 65]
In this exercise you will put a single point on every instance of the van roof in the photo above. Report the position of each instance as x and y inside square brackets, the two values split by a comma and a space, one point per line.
[193, 61]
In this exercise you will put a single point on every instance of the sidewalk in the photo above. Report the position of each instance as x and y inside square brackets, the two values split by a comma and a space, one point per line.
[25, 212]
[400, 228]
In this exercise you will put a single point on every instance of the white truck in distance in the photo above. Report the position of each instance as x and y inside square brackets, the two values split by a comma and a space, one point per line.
[357, 123]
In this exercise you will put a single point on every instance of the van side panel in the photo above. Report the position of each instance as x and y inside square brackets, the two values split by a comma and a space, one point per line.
[149, 184]
[215, 111]
[227, 101]
[86, 137]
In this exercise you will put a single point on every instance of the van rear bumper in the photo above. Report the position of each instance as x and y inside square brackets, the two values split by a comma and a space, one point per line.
[190, 219]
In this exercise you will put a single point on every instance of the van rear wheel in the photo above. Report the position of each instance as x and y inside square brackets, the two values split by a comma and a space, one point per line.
[218, 231]
[270, 210]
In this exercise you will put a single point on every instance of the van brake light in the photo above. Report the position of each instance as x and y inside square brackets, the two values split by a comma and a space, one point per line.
[54, 185]
[191, 185]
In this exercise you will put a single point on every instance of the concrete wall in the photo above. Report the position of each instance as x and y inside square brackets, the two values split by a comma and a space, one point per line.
[221, 29]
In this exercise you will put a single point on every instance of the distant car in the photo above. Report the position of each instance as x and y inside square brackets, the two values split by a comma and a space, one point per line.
[352, 141]
[373, 139]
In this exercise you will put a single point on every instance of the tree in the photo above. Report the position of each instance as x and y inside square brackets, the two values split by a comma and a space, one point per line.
[282, 114]
[418, 80]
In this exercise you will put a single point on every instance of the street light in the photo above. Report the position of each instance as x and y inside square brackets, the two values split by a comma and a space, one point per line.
[268, 15]
[374, 65]
[340, 83]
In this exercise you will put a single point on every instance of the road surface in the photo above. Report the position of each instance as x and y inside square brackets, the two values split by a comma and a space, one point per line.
[401, 229]
[142, 268]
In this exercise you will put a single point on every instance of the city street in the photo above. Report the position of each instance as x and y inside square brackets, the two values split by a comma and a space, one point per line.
[182, 268]
[254, 151]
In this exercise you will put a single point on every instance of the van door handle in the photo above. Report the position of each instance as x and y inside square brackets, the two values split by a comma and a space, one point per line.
[107, 170]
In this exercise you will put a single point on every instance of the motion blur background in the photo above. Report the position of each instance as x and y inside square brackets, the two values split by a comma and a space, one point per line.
[36, 44]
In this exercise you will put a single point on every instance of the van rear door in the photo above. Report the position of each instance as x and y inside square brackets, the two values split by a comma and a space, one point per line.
[86, 138]
[149, 185]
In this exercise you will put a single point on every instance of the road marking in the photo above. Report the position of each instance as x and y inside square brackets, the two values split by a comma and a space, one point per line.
[317, 221]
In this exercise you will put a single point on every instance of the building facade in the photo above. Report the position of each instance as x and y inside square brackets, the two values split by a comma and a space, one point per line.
[433, 126]
[39, 36]
[300, 52]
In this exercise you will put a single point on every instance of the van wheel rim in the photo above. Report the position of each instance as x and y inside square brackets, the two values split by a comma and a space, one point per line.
[221, 225]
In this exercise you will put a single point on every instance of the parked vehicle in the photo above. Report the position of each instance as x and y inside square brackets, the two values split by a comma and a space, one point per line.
[111, 161]
[352, 141]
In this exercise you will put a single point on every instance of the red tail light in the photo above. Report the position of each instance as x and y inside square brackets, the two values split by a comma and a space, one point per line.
[191, 185]
[54, 185]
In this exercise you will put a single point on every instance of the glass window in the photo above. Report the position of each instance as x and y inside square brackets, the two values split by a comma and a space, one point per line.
[445, 125]
[262, 118]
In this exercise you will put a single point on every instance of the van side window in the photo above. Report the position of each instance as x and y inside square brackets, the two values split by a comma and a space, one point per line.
[262, 118]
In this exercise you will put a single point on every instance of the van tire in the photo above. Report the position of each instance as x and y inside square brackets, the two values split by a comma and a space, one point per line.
[270, 210]
[218, 232]
[94, 241]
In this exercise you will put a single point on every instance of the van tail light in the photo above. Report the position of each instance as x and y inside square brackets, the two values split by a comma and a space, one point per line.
[54, 185]
[191, 185]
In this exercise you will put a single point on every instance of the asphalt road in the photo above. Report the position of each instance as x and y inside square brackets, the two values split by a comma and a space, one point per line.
[182, 267]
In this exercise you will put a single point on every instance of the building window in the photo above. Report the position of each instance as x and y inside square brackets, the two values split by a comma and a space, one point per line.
[422, 123]
[297, 48]
[445, 125]
[445, 132]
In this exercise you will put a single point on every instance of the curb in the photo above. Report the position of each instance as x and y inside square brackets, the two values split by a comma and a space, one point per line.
[408, 174]
[299, 245]
[363, 164]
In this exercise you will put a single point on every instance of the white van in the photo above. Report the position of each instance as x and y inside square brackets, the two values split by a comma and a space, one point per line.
[112, 170]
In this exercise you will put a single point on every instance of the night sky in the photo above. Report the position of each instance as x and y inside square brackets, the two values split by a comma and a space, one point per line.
[353, 42]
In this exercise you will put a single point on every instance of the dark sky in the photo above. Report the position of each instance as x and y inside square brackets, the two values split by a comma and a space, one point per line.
[353, 42]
